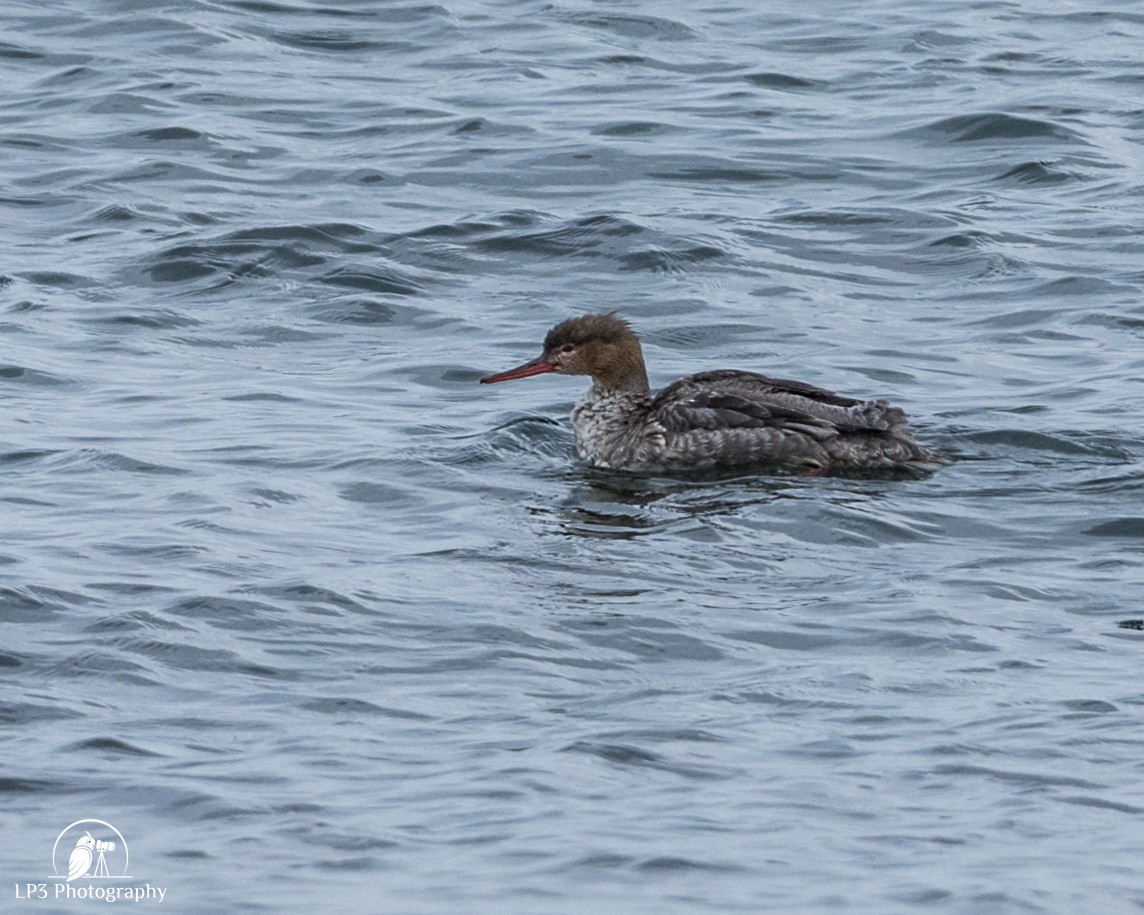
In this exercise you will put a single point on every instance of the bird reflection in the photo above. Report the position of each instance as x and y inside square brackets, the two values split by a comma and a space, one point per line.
[608, 505]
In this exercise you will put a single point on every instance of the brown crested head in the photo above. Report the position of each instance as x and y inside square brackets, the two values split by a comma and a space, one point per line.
[603, 346]
[603, 328]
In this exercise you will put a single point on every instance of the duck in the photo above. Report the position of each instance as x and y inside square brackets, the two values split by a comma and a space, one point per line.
[715, 420]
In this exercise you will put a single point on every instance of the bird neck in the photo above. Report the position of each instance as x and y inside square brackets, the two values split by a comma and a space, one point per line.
[623, 372]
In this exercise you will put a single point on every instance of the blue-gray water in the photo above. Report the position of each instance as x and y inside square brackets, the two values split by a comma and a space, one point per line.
[319, 624]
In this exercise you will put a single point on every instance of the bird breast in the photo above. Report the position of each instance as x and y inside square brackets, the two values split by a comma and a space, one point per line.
[613, 429]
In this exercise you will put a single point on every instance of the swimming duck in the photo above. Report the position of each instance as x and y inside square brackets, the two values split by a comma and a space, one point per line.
[720, 419]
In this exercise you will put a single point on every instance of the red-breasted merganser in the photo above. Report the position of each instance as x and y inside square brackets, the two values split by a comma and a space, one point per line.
[714, 419]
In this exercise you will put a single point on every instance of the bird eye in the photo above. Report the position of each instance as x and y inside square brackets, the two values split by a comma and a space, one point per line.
[567, 347]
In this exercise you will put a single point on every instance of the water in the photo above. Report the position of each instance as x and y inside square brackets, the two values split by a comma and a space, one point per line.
[316, 622]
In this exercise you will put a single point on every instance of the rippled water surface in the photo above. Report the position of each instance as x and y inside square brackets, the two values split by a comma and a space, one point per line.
[321, 625]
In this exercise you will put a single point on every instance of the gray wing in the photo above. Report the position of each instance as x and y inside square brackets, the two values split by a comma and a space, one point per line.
[745, 400]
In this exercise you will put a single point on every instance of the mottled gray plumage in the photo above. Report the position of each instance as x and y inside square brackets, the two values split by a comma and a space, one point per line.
[713, 419]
